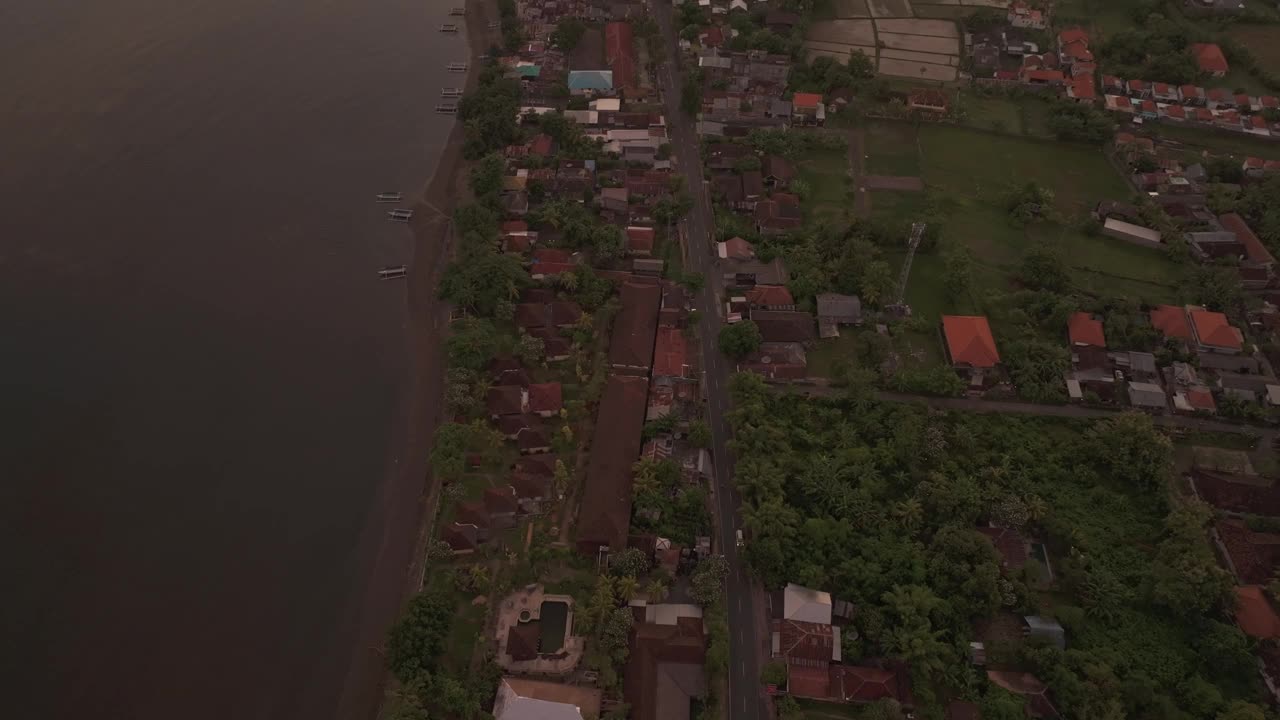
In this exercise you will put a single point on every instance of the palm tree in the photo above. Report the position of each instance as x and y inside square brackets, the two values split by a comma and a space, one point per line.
[910, 513]
[626, 587]
[568, 280]
[656, 591]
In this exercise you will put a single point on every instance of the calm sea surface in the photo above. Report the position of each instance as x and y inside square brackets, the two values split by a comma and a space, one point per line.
[200, 375]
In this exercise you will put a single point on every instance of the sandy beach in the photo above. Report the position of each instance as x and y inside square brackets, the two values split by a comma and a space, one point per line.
[401, 522]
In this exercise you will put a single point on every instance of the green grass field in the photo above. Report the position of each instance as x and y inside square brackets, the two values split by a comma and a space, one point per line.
[1263, 41]
[1232, 143]
[891, 149]
[969, 174]
[826, 173]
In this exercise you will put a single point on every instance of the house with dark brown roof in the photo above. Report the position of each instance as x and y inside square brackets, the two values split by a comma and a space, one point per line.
[631, 343]
[664, 672]
[785, 326]
[605, 515]
[523, 639]
[1236, 493]
[1014, 549]
[531, 490]
[507, 400]
[461, 538]
[540, 465]
[1250, 555]
[533, 440]
[777, 170]
[868, 683]
[501, 505]
[808, 644]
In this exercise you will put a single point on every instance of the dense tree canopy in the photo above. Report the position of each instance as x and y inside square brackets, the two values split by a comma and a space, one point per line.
[879, 504]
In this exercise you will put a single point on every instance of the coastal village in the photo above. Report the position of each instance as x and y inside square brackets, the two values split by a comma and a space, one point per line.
[858, 359]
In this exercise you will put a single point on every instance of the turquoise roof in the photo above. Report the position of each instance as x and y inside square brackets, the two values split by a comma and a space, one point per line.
[591, 80]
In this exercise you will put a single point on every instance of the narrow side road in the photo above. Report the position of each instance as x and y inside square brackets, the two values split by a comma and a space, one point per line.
[745, 701]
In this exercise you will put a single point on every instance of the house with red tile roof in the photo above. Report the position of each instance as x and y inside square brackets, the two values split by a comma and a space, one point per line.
[1212, 331]
[545, 399]
[807, 108]
[1081, 89]
[1112, 85]
[771, 297]
[1171, 321]
[1255, 252]
[969, 342]
[1087, 340]
[1221, 97]
[1209, 59]
[640, 240]
[620, 54]
[1192, 94]
[1033, 76]
[507, 400]
[671, 354]
[1254, 613]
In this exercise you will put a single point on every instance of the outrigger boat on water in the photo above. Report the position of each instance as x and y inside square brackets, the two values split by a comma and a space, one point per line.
[457, 67]
[448, 28]
[450, 92]
[400, 215]
[387, 197]
[393, 272]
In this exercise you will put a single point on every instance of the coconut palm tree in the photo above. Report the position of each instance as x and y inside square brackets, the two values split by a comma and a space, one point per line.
[626, 587]
[656, 591]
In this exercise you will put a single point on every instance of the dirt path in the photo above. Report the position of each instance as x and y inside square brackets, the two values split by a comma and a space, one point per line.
[857, 167]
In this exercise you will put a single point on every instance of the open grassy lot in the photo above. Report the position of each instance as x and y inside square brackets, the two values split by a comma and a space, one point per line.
[1231, 143]
[827, 175]
[968, 176]
[991, 113]
[1261, 40]
[891, 149]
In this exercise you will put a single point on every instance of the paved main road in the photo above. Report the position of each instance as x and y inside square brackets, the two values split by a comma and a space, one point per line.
[745, 701]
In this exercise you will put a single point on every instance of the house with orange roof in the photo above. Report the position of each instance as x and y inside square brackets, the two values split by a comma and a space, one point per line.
[970, 346]
[808, 109]
[1171, 321]
[1088, 341]
[1209, 59]
[1254, 613]
[1213, 333]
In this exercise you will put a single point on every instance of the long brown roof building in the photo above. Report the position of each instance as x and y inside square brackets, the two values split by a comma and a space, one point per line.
[605, 515]
[631, 344]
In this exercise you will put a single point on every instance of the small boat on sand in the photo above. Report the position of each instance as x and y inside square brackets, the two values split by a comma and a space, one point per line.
[447, 108]
[456, 67]
[448, 28]
[387, 197]
[400, 215]
[450, 92]
[393, 272]
[458, 11]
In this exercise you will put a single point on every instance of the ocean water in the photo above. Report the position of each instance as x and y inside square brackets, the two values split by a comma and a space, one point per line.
[201, 377]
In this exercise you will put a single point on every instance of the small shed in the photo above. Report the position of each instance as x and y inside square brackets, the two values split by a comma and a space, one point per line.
[1046, 628]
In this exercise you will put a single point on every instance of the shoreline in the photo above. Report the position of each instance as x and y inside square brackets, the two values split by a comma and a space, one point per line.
[401, 520]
